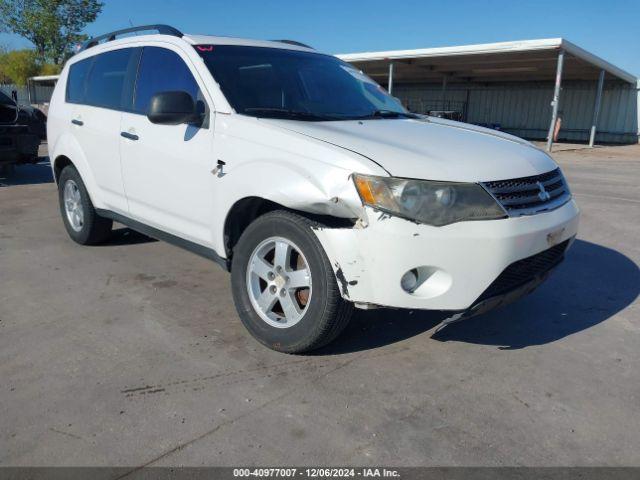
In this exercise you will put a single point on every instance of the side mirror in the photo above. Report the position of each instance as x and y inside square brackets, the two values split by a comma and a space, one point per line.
[173, 108]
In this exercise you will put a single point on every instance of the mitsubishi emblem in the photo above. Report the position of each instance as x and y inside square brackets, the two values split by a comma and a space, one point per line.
[543, 195]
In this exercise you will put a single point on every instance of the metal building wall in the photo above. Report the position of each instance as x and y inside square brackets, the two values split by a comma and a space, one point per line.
[39, 93]
[524, 108]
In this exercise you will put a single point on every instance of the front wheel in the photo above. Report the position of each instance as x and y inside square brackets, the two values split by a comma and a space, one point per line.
[283, 286]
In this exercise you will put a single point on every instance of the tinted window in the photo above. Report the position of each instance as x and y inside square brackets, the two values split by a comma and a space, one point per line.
[76, 83]
[5, 100]
[8, 111]
[162, 70]
[107, 79]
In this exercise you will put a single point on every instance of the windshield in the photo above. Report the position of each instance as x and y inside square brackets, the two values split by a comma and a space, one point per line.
[274, 82]
[6, 100]
[8, 110]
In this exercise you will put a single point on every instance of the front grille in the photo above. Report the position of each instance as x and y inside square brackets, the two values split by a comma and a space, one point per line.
[525, 270]
[530, 195]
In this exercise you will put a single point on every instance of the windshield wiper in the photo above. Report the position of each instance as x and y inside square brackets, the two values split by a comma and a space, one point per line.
[285, 113]
[388, 114]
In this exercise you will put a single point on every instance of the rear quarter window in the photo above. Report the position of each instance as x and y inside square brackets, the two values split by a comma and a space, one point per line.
[77, 81]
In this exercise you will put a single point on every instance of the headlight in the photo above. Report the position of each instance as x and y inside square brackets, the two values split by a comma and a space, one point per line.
[423, 201]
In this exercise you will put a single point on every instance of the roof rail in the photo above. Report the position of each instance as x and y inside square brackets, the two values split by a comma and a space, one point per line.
[294, 42]
[161, 29]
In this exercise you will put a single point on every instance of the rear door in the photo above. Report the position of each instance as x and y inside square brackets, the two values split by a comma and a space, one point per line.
[167, 168]
[99, 88]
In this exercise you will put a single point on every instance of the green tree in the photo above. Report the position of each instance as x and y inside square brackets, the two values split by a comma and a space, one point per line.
[53, 26]
[18, 65]
[50, 69]
[3, 76]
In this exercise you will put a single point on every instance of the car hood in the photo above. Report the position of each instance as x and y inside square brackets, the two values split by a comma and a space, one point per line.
[432, 148]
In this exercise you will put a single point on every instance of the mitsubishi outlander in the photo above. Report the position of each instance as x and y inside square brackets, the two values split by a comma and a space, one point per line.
[299, 174]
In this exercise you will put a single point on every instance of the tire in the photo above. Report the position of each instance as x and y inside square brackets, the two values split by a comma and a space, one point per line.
[93, 229]
[325, 314]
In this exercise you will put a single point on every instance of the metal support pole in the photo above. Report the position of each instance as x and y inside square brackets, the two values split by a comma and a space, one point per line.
[390, 87]
[596, 108]
[556, 100]
[444, 90]
[638, 108]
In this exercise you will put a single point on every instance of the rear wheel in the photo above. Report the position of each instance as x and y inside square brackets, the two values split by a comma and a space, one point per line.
[283, 286]
[79, 216]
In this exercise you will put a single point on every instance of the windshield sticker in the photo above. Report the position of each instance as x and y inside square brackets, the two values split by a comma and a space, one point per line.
[254, 67]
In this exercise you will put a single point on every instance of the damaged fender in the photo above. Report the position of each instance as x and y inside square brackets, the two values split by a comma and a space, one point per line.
[302, 174]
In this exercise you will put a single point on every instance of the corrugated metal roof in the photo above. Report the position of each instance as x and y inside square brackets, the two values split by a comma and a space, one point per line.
[492, 49]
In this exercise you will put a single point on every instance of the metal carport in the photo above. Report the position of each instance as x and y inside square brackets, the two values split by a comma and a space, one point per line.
[548, 65]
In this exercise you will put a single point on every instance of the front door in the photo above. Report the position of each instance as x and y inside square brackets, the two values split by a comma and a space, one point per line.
[167, 168]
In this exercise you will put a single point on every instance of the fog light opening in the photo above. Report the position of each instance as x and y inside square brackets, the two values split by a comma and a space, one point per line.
[409, 281]
[425, 281]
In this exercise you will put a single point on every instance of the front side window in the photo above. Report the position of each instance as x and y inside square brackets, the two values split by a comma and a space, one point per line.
[108, 81]
[267, 82]
[162, 70]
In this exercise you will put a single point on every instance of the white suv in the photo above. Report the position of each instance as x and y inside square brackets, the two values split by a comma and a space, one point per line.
[304, 178]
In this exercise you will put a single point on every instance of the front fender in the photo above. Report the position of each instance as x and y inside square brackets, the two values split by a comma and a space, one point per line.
[301, 173]
[327, 192]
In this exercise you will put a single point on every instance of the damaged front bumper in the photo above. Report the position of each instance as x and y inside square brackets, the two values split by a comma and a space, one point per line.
[465, 268]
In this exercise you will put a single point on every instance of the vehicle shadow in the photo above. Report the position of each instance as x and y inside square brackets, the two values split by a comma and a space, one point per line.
[126, 236]
[29, 174]
[592, 285]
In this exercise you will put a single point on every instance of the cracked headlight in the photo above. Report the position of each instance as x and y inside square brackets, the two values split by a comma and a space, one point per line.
[425, 201]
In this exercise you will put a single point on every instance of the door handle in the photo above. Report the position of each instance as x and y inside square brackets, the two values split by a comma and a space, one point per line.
[130, 136]
[75, 121]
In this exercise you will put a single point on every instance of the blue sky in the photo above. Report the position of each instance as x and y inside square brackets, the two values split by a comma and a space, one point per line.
[608, 28]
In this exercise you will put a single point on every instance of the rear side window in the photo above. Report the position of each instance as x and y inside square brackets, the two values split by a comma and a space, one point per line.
[163, 70]
[77, 81]
[109, 79]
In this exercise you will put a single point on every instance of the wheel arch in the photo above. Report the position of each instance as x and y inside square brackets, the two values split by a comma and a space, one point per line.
[59, 164]
[248, 209]
[240, 216]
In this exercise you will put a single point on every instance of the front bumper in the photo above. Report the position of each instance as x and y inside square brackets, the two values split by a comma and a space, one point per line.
[456, 263]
